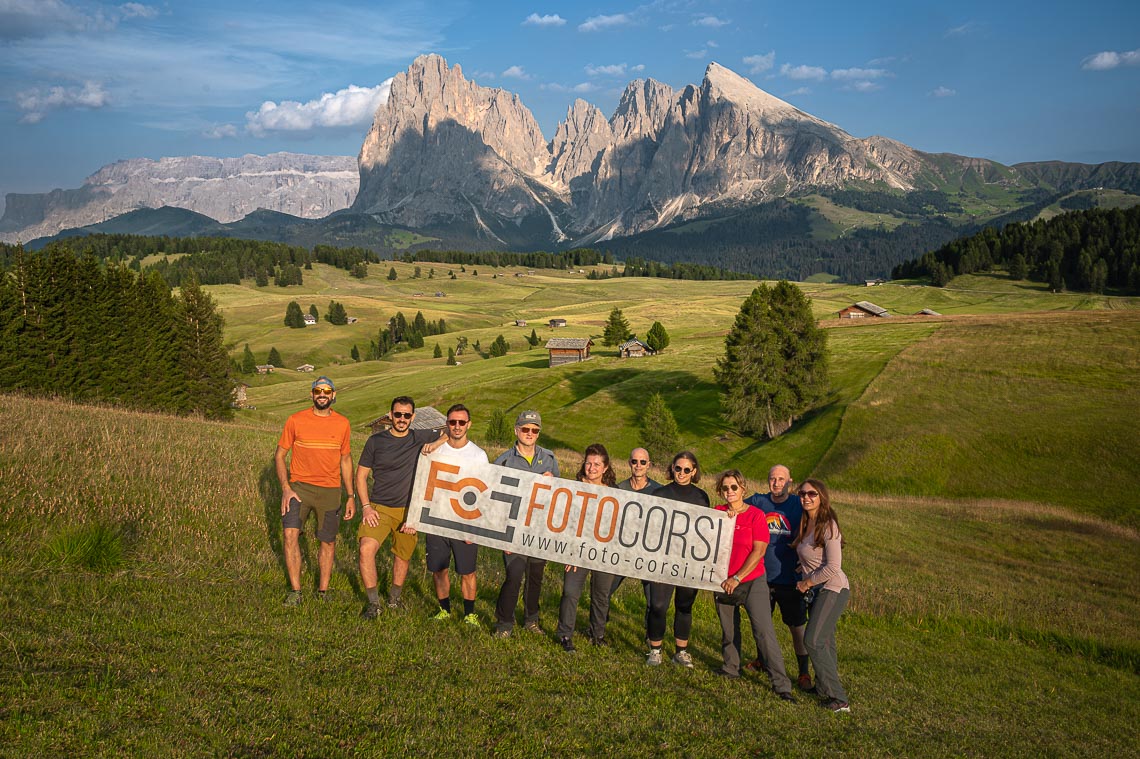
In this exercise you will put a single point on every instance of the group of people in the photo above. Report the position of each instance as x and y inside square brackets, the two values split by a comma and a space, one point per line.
[786, 549]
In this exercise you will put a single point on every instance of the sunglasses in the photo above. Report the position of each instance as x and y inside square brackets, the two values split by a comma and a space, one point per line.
[403, 414]
[529, 430]
[323, 391]
[682, 469]
[458, 422]
[729, 488]
[639, 462]
[812, 494]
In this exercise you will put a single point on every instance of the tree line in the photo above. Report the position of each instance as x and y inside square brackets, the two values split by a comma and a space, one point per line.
[1090, 250]
[76, 326]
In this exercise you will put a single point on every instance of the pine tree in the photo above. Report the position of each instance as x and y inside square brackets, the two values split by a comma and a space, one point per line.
[355, 353]
[775, 363]
[499, 347]
[293, 316]
[438, 352]
[248, 362]
[314, 312]
[392, 273]
[205, 365]
[274, 358]
[657, 338]
[617, 329]
[260, 278]
[498, 428]
[336, 314]
[659, 434]
[451, 357]
[533, 339]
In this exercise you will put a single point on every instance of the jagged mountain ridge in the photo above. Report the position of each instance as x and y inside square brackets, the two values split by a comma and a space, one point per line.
[444, 151]
[225, 189]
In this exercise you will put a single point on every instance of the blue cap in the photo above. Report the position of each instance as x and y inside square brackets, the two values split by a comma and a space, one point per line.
[323, 380]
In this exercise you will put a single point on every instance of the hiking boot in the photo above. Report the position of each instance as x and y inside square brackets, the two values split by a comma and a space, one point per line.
[837, 706]
[568, 645]
[653, 658]
[683, 658]
[442, 615]
[371, 611]
[755, 666]
[728, 675]
[292, 598]
[600, 642]
[803, 682]
[472, 619]
[396, 604]
[787, 696]
[501, 634]
[532, 627]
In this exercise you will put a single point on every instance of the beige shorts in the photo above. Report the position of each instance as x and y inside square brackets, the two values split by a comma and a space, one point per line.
[403, 545]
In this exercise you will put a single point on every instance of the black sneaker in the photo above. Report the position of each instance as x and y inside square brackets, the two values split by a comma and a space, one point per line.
[371, 611]
[787, 697]
[600, 642]
[567, 645]
[837, 706]
[728, 675]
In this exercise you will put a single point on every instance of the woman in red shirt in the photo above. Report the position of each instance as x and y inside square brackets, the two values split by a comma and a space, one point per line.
[747, 587]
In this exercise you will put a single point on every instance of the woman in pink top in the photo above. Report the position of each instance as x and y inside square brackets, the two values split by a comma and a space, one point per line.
[747, 587]
[819, 547]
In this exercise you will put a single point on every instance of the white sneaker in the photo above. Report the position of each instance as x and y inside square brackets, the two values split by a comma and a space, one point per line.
[653, 658]
[684, 659]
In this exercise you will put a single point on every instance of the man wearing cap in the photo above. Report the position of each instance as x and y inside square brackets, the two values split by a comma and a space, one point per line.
[390, 456]
[319, 440]
[527, 455]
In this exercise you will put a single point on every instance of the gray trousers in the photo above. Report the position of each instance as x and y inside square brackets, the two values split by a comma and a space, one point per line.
[601, 586]
[760, 616]
[819, 637]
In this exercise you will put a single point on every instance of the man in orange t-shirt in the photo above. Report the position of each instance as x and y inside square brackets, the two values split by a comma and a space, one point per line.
[321, 461]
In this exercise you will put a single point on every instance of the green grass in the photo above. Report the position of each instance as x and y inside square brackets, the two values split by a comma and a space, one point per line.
[976, 628]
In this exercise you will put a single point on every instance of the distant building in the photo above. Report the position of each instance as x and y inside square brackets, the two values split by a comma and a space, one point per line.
[265, 368]
[427, 418]
[439, 294]
[557, 323]
[927, 312]
[872, 282]
[568, 350]
[352, 320]
[306, 368]
[635, 349]
[520, 322]
[310, 320]
[240, 398]
[861, 310]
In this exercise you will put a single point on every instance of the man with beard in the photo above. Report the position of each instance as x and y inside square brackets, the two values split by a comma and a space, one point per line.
[390, 456]
[319, 440]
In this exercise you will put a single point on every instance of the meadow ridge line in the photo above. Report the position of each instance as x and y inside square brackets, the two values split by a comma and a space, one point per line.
[833, 322]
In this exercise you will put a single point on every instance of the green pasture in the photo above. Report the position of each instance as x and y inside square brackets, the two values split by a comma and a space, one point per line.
[976, 628]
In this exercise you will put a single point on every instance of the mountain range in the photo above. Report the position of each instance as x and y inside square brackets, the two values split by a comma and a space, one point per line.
[467, 166]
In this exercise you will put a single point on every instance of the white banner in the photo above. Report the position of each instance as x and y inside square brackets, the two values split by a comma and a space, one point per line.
[588, 526]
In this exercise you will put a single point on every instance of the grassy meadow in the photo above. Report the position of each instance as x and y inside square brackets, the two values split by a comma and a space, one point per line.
[984, 468]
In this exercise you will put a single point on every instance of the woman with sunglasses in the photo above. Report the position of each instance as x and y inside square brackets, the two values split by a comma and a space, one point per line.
[819, 547]
[747, 587]
[596, 470]
[684, 474]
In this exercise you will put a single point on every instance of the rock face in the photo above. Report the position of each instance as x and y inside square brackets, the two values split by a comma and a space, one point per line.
[444, 151]
[225, 189]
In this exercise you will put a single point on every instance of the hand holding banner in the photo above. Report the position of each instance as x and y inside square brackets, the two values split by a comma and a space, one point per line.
[588, 526]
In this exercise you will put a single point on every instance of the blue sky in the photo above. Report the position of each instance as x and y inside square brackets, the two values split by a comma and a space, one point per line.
[85, 83]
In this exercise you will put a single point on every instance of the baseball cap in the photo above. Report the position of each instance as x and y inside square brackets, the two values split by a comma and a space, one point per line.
[529, 417]
[323, 380]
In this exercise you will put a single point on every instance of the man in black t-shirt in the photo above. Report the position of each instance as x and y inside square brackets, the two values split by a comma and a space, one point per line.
[390, 456]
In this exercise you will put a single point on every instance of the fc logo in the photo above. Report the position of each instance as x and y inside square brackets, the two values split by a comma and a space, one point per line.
[467, 483]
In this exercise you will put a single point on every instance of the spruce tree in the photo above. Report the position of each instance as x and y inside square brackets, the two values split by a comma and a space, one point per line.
[499, 347]
[205, 365]
[293, 316]
[274, 358]
[392, 273]
[438, 352]
[533, 339]
[659, 434]
[248, 362]
[775, 363]
[355, 353]
[336, 314]
[498, 428]
[451, 357]
[617, 329]
[657, 338]
[314, 312]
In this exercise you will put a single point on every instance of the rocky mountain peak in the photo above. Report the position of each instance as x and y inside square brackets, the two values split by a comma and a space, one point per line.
[642, 110]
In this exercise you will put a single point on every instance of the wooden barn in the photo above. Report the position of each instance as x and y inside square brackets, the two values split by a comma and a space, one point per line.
[635, 349]
[427, 418]
[927, 312]
[557, 323]
[568, 350]
[861, 310]
[306, 368]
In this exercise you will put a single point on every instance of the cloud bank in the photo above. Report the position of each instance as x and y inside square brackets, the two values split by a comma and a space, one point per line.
[37, 103]
[352, 106]
[1110, 60]
[552, 19]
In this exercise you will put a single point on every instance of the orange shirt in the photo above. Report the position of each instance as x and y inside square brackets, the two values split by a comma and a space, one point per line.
[317, 442]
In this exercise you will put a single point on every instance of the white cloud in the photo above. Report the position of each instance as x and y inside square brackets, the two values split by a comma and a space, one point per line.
[138, 10]
[220, 132]
[1110, 60]
[943, 92]
[803, 72]
[515, 72]
[615, 69]
[882, 61]
[20, 19]
[799, 91]
[864, 86]
[758, 64]
[550, 20]
[581, 87]
[710, 21]
[352, 106]
[697, 54]
[711, 43]
[849, 74]
[598, 23]
[37, 103]
[963, 30]
[638, 67]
